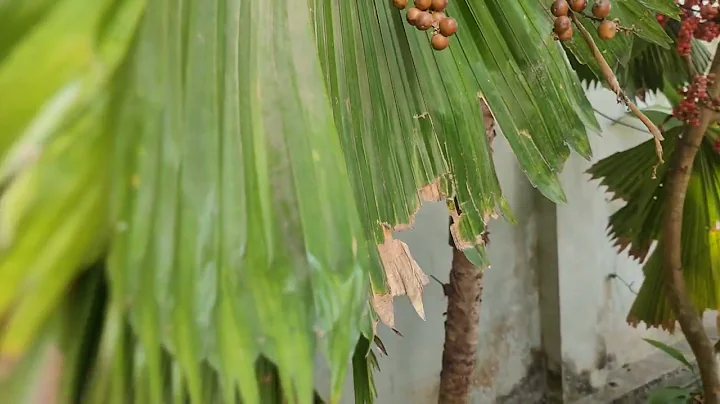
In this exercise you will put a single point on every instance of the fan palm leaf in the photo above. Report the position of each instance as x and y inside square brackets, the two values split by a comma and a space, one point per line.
[636, 226]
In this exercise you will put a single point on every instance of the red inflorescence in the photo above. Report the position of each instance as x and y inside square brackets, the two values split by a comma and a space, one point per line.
[699, 20]
[709, 10]
[688, 26]
[695, 96]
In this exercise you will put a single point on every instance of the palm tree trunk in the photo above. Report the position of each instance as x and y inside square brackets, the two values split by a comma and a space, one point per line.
[464, 293]
[688, 317]
[671, 245]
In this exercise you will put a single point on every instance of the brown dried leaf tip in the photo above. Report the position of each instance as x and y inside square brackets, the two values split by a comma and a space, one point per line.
[459, 241]
[429, 193]
[404, 277]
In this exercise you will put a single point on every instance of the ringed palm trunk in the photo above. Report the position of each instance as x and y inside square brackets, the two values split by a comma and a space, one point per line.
[464, 292]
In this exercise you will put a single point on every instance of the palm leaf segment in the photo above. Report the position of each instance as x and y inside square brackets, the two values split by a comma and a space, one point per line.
[186, 154]
[636, 226]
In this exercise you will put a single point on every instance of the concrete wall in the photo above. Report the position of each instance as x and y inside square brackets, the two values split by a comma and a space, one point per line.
[547, 303]
[596, 338]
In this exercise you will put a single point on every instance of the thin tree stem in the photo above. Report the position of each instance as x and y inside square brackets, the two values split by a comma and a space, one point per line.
[671, 248]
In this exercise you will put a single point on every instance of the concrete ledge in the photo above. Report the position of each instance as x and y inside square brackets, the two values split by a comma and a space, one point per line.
[633, 382]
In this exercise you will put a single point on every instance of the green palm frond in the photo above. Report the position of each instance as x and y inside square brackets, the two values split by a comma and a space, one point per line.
[194, 192]
[700, 244]
[636, 226]
[627, 176]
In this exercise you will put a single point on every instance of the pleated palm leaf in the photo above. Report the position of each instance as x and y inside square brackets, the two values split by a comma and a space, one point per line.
[636, 226]
[197, 196]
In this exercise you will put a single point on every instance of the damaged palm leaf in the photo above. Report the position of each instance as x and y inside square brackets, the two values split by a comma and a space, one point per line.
[399, 107]
[411, 123]
[387, 160]
[636, 226]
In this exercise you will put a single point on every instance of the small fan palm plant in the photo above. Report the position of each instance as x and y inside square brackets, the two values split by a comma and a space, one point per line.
[198, 196]
[678, 208]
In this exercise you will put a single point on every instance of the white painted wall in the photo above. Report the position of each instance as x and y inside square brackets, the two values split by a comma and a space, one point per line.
[592, 309]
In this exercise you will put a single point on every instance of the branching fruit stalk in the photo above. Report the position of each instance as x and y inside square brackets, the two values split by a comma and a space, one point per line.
[464, 292]
[676, 186]
[615, 87]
